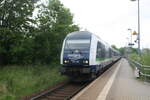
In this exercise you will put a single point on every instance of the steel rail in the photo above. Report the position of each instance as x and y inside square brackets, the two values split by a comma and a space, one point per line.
[74, 89]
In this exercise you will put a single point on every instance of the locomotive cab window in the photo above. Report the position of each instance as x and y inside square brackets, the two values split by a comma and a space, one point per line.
[77, 44]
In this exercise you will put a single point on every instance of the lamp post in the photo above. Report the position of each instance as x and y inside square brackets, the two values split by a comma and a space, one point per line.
[139, 51]
[129, 29]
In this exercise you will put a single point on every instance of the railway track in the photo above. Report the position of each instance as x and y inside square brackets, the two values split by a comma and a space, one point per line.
[63, 92]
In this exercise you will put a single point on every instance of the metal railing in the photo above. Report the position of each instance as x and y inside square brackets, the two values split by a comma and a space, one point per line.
[144, 70]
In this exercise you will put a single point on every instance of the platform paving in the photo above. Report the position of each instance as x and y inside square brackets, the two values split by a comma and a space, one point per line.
[117, 83]
[127, 87]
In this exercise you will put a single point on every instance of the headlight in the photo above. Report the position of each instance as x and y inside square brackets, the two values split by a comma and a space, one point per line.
[86, 61]
[66, 61]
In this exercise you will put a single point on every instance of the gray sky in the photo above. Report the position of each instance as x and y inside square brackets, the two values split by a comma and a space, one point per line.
[110, 19]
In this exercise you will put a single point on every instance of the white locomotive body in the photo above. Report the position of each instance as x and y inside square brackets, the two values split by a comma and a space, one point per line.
[84, 55]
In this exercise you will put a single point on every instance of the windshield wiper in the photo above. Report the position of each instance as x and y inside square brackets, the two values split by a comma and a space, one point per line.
[69, 47]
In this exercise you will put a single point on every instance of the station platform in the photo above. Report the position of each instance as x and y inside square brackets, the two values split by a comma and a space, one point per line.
[117, 83]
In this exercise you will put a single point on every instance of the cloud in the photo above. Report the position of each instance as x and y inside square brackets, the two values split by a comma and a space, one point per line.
[110, 19]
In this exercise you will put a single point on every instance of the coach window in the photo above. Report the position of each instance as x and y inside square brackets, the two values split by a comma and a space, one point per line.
[106, 52]
[98, 51]
[110, 53]
[102, 51]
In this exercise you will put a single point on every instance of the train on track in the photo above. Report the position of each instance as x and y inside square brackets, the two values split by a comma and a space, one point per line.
[84, 56]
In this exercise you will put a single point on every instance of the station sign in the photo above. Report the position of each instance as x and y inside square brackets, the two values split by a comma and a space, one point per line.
[131, 44]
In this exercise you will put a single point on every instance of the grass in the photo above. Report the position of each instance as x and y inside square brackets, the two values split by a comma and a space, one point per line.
[19, 81]
[144, 60]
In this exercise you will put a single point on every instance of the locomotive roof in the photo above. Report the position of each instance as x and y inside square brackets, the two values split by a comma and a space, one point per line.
[84, 35]
[87, 35]
[79, 35]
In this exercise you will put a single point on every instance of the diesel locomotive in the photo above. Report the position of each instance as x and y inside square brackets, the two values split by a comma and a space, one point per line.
[84, 55]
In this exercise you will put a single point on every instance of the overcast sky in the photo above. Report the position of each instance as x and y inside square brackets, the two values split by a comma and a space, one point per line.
[110, 19]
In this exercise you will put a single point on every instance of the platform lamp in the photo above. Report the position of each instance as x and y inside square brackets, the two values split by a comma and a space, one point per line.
[129, 29]
[139, 51]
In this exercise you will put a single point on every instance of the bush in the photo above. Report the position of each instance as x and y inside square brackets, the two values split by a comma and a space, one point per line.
[19, 81]
[144, 59]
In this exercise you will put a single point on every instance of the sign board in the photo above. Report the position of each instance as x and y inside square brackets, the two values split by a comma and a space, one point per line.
[131, 44]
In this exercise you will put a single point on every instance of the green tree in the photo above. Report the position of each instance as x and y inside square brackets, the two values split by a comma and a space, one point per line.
[54, 23]
[113, 46]
[24, 40]
[122, 50]
[15, 27]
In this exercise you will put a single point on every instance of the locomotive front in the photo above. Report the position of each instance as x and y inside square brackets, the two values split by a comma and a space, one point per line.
[75, 54]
